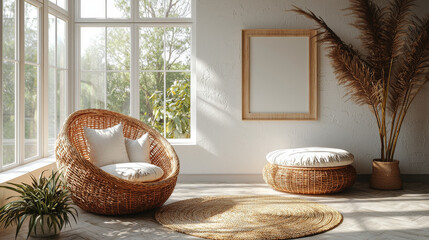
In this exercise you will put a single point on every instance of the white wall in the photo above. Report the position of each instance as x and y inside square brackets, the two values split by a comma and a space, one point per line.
[228, 145]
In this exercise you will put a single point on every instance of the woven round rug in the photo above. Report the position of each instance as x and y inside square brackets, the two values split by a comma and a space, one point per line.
[248, 217]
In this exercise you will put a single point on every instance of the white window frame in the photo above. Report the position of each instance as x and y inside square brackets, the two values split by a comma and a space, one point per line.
[59, 15]
[45, 7]
[134, 22]
[21, 86]
[60, 9]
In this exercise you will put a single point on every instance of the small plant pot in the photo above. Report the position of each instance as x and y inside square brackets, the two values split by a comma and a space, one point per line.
[43, 231]
[386, 175]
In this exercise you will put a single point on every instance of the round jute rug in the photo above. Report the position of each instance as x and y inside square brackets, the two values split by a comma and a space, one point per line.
[248, 217]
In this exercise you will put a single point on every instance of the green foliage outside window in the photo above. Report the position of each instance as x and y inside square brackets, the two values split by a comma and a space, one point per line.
[164, 55]
[177, 112]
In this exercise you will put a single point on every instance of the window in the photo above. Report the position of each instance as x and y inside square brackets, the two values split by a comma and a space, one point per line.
[27, 128]
[138, 62]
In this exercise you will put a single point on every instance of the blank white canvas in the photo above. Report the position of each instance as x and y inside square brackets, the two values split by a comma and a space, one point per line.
[279, 74]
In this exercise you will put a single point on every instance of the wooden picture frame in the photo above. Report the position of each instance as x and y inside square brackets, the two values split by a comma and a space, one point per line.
[279, 74]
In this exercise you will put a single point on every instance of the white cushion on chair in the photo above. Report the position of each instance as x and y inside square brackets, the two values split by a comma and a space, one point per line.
[138, 150]
[106, 146]
[135, 171]
[310, 157]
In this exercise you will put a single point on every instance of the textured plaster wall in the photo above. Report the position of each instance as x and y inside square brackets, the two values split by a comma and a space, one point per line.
[225, 144]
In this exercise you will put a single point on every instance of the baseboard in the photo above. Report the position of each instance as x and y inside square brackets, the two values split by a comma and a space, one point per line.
[257, 178]
[423, 178]
[220, 178]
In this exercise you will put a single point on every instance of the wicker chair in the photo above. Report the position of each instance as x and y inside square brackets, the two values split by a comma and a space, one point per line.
[96, 191]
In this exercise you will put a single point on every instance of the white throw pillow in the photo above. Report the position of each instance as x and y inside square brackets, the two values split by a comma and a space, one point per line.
[106, 146]
[135, 171]
[138, 150]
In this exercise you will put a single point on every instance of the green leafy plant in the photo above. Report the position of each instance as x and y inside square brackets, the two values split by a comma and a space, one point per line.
[46, 202]
[392, 72]
[177, 112]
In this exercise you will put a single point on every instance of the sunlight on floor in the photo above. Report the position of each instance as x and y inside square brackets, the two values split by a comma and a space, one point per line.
[368, 214]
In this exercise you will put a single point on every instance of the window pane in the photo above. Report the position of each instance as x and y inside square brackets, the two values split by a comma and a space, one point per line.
[31, 31]
[93, 48]
[62, 4]
[118, 92]
[178, 105]
[178, 48]
[165, 8]
[8, 107]
[92, 90]
[61, 43]
[9, 25]
[178, 8]
[118, 8]
[51, 40]
[52, 108]
[57, 104]
[118, 48]
[61, 98]
[151, 48]
[151, 8]
[31, 111]
[92, 9]
[152, 99]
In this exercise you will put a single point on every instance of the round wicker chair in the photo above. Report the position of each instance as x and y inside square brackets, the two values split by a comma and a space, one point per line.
[96, 191]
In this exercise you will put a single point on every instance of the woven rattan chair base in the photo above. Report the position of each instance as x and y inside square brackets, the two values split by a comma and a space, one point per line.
[304, 180]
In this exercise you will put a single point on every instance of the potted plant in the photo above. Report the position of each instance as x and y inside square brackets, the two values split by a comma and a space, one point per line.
[45, 202]
[386, 79]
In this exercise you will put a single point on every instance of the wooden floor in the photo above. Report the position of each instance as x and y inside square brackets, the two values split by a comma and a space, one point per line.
[368, 214]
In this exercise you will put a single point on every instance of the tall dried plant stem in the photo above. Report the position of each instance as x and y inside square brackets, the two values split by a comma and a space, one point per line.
[402, 119]
[380, 132]
[383, 109]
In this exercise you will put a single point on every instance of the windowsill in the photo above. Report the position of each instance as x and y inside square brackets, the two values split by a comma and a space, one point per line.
[19, 171]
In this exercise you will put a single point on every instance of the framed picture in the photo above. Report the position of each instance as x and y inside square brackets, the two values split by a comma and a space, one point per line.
[279, 74]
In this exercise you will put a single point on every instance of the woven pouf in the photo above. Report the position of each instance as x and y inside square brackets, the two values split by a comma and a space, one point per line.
[310, 170]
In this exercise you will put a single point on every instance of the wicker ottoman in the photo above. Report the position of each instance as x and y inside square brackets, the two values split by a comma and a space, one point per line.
[310, 170]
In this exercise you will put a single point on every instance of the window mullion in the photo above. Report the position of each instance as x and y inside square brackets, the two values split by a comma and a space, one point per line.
[134, 10]
[1, 90]
[77, 66]
[44, 81]
[165, 83]
[20, 88]
[105, 67]
[134, 75]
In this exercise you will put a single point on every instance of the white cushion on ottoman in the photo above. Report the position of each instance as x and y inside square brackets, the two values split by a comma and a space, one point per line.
[310, 157]
[135, 171]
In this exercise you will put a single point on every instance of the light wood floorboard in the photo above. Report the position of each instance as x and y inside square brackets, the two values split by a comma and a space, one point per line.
[368, 214]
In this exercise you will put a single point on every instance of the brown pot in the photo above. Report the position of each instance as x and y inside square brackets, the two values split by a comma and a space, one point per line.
[386, 175]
